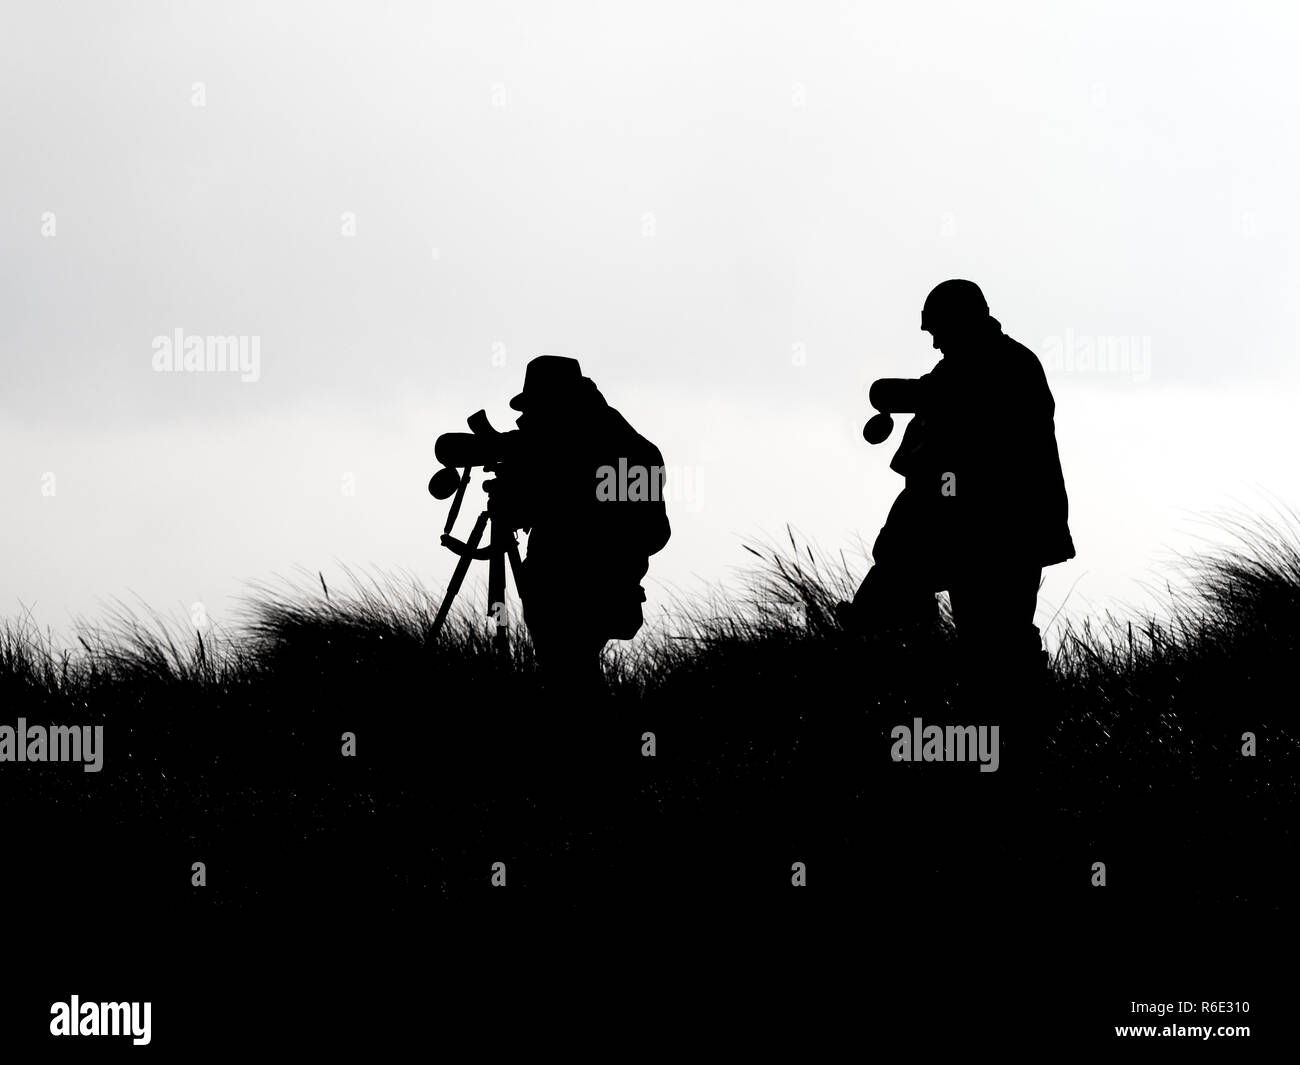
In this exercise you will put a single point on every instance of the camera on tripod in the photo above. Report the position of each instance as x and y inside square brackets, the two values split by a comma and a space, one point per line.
[495, 452]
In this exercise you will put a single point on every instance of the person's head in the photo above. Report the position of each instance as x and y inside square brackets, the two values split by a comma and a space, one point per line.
[956, 316]
[555, 395]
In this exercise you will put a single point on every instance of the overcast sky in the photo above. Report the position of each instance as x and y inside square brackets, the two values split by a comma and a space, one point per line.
[729, 212]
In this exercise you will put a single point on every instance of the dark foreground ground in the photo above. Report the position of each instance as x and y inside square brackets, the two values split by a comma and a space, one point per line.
[359, 887]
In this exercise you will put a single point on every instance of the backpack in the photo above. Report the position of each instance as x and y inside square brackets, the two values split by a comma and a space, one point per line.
[633, 522]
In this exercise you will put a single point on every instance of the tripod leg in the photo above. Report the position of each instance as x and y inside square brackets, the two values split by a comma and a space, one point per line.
[497, 592]
[516, 567]
[458, 575]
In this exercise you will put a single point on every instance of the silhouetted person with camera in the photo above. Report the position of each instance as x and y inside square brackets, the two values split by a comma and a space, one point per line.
[588, 488]
[985, 507]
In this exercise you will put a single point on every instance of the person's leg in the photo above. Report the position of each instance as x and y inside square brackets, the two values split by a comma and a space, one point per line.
[893, 596]
[1001, 661]
[570, 712]
[1019, 654]
[1002, 671]
[557, 610]
[1024, 818]
[568, 660]
[999, 645]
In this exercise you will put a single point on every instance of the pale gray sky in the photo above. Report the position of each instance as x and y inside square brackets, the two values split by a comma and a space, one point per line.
[729, 212]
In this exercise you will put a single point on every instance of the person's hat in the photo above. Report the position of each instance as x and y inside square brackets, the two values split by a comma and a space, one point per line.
[954, 303]
[548, 377]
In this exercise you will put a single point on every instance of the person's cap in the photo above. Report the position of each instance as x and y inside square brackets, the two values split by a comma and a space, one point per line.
[548, 377]
[954, 303]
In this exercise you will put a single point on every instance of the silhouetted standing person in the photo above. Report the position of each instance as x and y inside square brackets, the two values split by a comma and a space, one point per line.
[589, 490]
[987, 508]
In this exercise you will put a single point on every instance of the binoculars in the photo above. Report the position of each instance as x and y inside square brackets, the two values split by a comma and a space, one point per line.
[890, 395]
[878, 428]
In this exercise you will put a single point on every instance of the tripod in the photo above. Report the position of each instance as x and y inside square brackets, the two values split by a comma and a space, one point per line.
[501, 545]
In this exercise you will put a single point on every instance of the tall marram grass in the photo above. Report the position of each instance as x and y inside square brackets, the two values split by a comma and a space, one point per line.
[772, 721]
